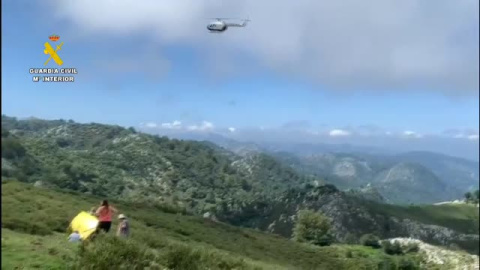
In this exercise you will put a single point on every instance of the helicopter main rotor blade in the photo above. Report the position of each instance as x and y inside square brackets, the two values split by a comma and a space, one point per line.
[226, 19]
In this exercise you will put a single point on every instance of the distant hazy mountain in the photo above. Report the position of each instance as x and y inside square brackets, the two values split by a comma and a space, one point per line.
[239, 148]
[406, 178]
[458, 172]
[301, 149]
[314, 149]
[412, 183]
[413, 177]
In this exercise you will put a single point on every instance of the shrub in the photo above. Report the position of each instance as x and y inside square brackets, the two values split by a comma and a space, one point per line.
[184, 257]
[407, 264]
[392, 249]
[386, 264]
[181, 257]
[324, 240]
[370, 240]
[351, 239]
[411, 248]
[110, 252]
[215, 261]
[19, 225]
[454, 246]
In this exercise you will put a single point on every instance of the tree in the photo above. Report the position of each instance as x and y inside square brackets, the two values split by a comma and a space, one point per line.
[468, 196]
[63, 142]
[5, 133]
[12, 149]
[312, 227]
[472, 197]
[351, 239]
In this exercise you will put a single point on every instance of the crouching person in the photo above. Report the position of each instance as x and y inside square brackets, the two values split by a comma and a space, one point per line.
[123, 229]
[74, 237]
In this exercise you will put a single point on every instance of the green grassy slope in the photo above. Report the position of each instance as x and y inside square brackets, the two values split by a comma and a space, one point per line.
[27, 251]
[463, 218]
[34, 221]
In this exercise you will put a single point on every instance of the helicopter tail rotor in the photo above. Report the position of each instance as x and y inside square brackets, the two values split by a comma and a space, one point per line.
[245, 21]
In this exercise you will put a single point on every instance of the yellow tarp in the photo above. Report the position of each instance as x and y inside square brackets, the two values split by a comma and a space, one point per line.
[85, 224]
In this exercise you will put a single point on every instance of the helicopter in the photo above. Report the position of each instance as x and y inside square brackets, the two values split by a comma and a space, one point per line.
[219, 25]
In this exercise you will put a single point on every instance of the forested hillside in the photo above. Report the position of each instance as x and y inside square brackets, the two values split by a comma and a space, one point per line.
[112, 161]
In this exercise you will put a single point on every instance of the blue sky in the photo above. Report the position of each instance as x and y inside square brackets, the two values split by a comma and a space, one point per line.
[143, 68]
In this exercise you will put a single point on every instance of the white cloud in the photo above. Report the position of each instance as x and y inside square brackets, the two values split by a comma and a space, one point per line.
[473, 137]
[397, 140]
[231, 129]
[204, 126]
[174, 125]
[151, 125]
[387, 44]
[466, 134]
[339, 133]
[177, 126]
[412, 134]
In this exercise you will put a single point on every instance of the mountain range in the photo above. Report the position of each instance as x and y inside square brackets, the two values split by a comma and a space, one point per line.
[411, 177]
[243, 185]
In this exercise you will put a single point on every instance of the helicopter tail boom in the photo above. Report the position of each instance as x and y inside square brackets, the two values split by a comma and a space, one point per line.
[237, 24]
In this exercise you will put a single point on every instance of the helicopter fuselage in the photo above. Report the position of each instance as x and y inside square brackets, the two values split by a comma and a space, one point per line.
[217, 26]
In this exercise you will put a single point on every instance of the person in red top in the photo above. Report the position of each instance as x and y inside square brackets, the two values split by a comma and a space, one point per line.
[104, 214]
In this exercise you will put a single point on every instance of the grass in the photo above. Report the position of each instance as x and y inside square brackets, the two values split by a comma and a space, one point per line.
[34, 221]
[462, 218]
[26, 251]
